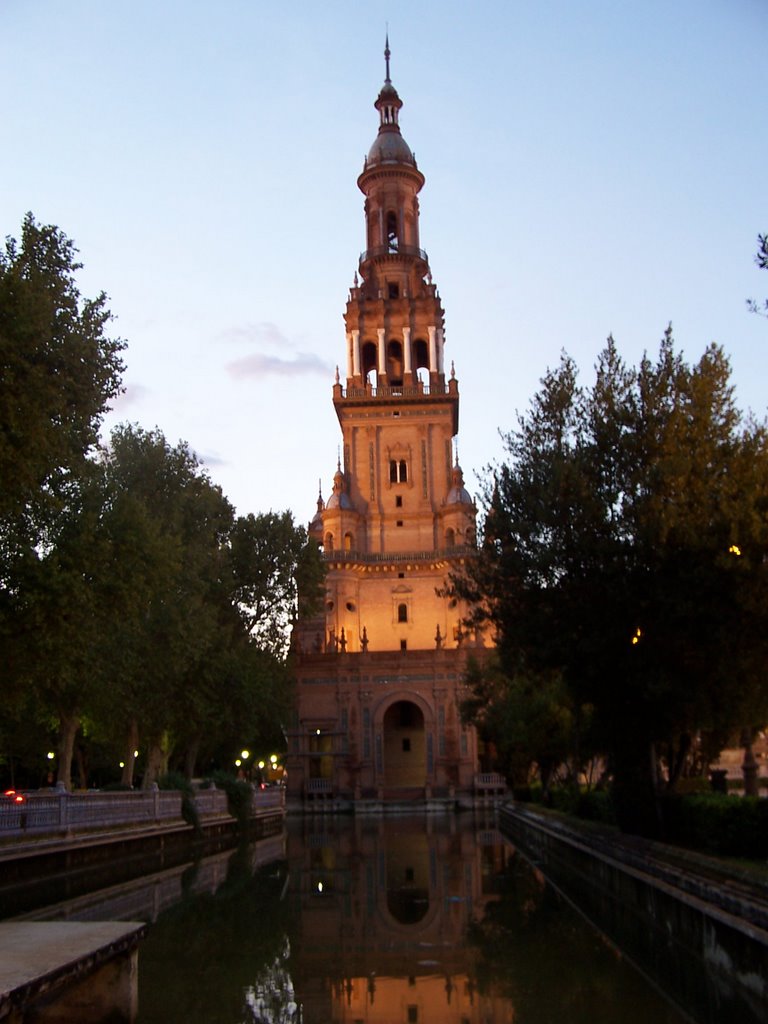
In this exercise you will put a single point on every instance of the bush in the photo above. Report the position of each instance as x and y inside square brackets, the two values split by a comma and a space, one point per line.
[179, 782]
[239, 796]
[596, 805]
[714, 823]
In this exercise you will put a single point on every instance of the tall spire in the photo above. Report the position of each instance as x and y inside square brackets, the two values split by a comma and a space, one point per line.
[387, 79]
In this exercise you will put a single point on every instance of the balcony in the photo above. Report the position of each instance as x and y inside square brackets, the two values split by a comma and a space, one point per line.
[379, 252]
[419, 390]
[378, 558]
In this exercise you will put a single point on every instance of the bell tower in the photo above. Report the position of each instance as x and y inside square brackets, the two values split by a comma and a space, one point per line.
[379, 672]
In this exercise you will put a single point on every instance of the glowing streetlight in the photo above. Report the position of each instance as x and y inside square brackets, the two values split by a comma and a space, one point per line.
[238, 762]
[273, 759]
[734, 549]
[50, 755]
[245, 754]
[636, 637]
[261, 765]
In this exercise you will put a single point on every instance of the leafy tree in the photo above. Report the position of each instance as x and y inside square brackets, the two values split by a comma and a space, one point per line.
[761, 259]
[273, 563]
[169, 526]
[529, 721]
[59, 371]
[624, 550]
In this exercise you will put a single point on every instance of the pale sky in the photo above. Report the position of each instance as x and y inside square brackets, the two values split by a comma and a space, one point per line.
[592, 167]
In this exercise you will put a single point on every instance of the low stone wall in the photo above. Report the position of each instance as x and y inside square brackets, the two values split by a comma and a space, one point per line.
[703, 941]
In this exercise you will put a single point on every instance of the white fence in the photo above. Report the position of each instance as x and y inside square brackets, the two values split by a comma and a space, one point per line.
[60, 811]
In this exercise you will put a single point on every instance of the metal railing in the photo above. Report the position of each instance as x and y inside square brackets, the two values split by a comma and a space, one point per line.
[490, 780]
[318, 786]
[460, 551]
[397, 391]
[396, 252]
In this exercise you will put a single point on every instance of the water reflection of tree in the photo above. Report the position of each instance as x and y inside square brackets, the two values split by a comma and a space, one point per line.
[207, 957]
[551, 964]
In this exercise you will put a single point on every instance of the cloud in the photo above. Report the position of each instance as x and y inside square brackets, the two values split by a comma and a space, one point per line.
[259, 335]
[211, 459]
[133, 394]
[266, 335]
[260, 365]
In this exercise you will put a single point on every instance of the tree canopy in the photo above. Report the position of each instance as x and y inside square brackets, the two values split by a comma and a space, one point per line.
[134, 604]
[625, 546]
[761, 259]
[59, 369]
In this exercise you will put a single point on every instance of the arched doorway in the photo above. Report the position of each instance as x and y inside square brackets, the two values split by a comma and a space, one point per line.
[405, 747]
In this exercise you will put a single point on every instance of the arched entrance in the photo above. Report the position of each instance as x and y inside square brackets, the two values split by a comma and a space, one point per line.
[405, 748]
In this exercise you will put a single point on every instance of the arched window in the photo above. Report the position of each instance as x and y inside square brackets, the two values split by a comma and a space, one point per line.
[368, 357]
[348, 542]
[328, 542]
[450, 538]
[392, 234]
[395, 363]
[402, 612]
[398, 471]
[421, 354]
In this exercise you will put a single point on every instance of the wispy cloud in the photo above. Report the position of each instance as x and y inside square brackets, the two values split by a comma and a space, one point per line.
[290, 362]
[260, 334]
[260, 365]
[132, 395]
[211, 459]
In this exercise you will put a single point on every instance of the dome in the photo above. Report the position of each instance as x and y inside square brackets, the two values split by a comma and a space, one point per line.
[458, 494]
[390, 147]
[339, 498]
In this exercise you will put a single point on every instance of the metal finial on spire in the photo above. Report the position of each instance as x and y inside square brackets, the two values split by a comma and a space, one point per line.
[386, 56]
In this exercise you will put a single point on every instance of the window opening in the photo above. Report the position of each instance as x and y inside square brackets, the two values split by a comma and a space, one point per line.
[406, 745]
[398, 471]
[398, 501]
[393, 290]
[369, 361]
[403, 645]
[395, 363]
[402, 613]
[392, 239]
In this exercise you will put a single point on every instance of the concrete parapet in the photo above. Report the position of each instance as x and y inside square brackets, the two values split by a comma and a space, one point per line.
[58, 971]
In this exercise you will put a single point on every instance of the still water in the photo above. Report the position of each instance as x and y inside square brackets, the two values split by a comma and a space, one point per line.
[387, 921]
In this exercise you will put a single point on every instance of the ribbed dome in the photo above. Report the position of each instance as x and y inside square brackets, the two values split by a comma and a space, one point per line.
[390, 147]
[458, 494]
[339, 498]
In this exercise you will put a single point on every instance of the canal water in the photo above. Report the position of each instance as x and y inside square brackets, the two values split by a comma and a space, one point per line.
[355, 921]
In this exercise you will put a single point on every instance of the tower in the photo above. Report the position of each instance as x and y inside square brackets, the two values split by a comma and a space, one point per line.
[379, 672]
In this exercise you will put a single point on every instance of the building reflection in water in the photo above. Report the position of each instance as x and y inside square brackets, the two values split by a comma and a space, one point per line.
[383, 910]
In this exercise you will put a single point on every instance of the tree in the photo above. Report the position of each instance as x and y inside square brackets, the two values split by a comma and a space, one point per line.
[273, 563]
[169, 528]
[59, 371]
[761, 259]
[528, 720]
[625, 550]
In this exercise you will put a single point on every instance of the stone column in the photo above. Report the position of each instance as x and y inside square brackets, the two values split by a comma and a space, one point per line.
[355, 353]
[382, 369]
[407, 350]
[433, 367]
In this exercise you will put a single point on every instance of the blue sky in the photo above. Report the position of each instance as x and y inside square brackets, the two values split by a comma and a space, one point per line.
[591, 168]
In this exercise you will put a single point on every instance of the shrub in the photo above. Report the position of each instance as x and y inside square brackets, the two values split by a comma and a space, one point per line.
[177, 781]
[714, 823]
[239, 796]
